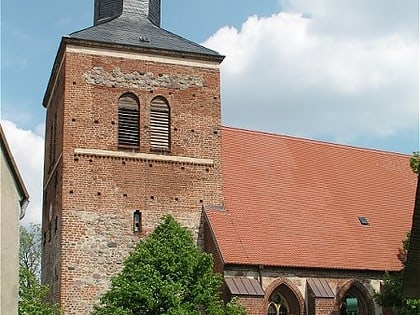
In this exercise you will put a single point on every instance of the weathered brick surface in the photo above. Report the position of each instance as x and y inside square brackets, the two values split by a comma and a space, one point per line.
[323, 306]
[254, 305]
[94, 196]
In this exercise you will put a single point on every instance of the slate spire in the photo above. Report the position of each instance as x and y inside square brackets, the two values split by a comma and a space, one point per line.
[106, 10]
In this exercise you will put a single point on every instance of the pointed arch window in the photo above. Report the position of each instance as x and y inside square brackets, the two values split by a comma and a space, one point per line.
[278, 305]
[284, 301]
[159, 124]
[128, 120]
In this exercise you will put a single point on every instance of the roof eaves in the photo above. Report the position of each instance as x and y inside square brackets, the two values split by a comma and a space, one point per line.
[24, 198]
[134, 48]
[214, 239]
[305, 267]
[124, 30]
[54, 72]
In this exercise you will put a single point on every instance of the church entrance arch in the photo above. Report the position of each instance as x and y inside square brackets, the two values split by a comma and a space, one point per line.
[354, 294]
[283, 299]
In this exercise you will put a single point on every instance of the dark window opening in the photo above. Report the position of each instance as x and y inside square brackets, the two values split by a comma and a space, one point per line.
[137, 221]
[128, 121]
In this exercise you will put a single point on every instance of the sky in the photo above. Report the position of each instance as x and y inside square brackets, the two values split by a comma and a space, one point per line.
[342, 71]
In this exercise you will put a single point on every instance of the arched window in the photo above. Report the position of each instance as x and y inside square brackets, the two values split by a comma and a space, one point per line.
[278, 305]
[159, 124]
[354, 295]
[128, 120]
[284, 300]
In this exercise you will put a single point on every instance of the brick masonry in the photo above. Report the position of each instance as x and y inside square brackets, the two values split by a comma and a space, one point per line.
[92, 186]
[89, 230]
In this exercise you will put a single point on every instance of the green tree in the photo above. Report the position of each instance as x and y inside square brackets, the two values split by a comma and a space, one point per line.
[391, 294]
[166, 274]
[32, 294]
[415, 161]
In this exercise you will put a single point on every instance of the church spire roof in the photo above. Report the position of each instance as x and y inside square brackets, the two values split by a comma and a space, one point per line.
[136, 23]
[132, 9]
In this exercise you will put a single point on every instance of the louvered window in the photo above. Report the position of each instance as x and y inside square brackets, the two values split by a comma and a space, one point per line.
[128, 120]
[159, 124]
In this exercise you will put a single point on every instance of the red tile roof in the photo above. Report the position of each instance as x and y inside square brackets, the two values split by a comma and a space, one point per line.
[296, 202]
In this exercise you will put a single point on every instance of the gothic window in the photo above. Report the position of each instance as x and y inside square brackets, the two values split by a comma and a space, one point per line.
[278, 305]
[159, 124]
[128, 120]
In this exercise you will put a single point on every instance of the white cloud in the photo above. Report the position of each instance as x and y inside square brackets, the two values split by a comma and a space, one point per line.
[361, 18]
[307, 72]
[28, 151]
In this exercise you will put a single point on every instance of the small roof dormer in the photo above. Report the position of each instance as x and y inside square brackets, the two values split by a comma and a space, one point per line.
[106, 10]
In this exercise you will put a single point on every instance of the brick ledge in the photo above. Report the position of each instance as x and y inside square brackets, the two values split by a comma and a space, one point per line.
[144, 156]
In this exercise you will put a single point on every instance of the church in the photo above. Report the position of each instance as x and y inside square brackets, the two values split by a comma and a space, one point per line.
[134, 132]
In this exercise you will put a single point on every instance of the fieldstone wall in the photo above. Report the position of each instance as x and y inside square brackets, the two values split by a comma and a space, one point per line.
[141, 80]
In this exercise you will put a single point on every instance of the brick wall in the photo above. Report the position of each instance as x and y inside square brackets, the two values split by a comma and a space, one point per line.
[323, 306]
[254, 305]
[98, 192]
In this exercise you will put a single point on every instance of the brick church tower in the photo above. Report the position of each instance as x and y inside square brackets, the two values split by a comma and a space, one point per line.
[132, 133]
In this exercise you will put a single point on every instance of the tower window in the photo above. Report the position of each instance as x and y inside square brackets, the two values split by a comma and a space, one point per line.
[128, 120]
[159, 124]
[137, 221]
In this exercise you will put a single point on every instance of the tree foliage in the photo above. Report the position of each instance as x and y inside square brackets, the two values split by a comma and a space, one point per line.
[30, 249]
[166, 274]
[32, 295]
[391, 294]
[415, 161]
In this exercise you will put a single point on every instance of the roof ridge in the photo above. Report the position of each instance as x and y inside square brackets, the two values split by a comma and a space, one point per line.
[316, 141]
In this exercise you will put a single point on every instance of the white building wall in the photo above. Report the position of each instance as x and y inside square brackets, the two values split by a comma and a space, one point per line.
[9, 224]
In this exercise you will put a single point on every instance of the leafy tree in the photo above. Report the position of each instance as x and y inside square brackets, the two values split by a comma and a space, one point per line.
[391, 295]
[32, 294]
[166, 274]
[30, 249]
[415, 161]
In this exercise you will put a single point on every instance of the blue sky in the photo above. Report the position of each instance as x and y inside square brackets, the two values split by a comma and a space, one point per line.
[339, 71]
[30, 38]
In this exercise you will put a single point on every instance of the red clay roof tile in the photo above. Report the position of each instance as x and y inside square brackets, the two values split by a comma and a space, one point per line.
[296, 202]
